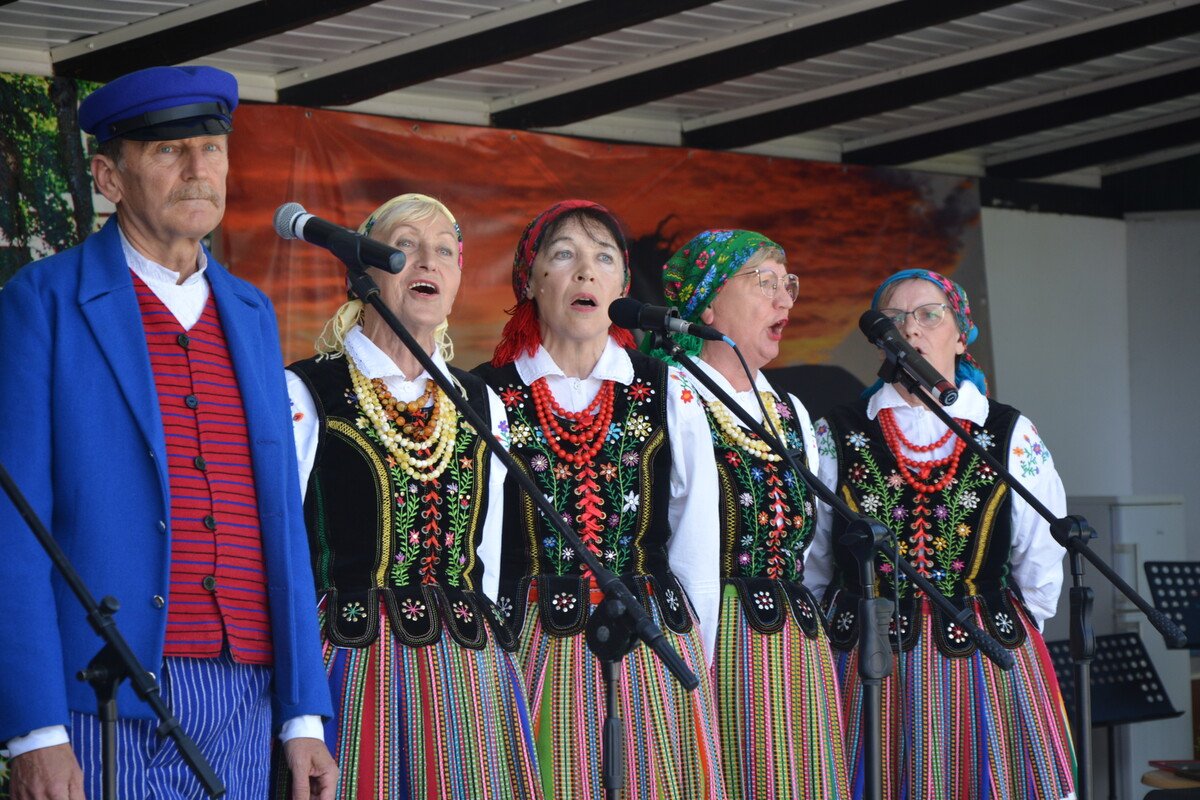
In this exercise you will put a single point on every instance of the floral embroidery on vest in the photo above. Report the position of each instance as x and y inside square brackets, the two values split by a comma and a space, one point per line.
[601, 498]
[772, 504]
[933, 529]
[434, 520]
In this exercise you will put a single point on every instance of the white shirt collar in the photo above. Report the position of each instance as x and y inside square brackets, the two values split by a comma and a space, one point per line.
[970, 405]
[374, 363]
[614, 365]
[760, 383]
[151, 272]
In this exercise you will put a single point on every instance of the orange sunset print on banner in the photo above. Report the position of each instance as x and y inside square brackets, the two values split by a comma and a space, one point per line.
[844, 228]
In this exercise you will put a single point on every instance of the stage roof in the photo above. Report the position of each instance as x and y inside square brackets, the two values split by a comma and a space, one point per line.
[1065, 91]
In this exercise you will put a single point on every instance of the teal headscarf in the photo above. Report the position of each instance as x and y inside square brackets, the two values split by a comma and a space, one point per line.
[965, 368]
[693, 276]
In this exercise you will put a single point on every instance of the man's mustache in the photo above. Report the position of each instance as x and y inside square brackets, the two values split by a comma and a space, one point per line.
[197, 192]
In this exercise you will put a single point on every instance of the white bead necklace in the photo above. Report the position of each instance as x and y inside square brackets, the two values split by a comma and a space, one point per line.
[755, 447]
[403, 449]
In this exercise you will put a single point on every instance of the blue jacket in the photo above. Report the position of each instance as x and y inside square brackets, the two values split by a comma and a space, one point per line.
[82, 435]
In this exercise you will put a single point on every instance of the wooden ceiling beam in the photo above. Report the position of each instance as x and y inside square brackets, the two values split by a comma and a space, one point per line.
[908, 90]
[721, 64]
[506, 42]
[955, 138]
[1100, 150]
[196, 38]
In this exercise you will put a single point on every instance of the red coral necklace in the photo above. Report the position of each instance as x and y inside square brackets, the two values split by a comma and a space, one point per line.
[919, 480]
[588, 428]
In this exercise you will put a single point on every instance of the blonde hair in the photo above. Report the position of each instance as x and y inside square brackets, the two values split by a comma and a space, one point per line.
[410, 207]
[332, 341]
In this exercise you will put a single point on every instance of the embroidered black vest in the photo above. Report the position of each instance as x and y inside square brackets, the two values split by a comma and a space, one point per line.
[958, 537]
[378, 535]
[617, 504]
[767, 524]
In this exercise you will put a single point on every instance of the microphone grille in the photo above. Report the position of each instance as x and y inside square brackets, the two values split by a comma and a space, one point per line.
[873, 323]
[625, 312]
[285, 216]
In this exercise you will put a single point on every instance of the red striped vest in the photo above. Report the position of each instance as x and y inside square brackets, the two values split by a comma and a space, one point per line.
[218, 588]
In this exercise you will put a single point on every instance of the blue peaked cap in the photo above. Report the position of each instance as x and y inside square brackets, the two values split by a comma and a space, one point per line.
[160, 103]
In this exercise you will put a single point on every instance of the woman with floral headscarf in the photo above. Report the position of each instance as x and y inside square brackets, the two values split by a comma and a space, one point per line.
[404, 507]
[956, 726]
[613, 439]
[777, 697]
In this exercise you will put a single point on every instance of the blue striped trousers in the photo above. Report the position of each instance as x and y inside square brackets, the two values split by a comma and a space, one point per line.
[225, 707]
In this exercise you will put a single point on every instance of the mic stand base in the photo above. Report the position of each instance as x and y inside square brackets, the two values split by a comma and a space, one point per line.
[611, 638]
[1083, 652]
[862, 536]
[114, 663]
[104, 674]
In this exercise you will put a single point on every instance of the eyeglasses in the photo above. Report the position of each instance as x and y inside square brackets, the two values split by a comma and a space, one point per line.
[929, 315]
[768, 282]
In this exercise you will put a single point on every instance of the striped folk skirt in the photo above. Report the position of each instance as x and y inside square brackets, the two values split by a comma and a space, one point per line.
[964, 729]
[440, 721]
[779, 709]
[671, 749]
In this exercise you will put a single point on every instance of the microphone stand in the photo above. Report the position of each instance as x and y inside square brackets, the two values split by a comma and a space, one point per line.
[619, 620]
[865, 537]
[114, 663]
[1073, 533]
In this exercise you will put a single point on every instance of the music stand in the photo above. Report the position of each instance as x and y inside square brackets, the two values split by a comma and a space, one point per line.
[1125, 687]
[1175, 591]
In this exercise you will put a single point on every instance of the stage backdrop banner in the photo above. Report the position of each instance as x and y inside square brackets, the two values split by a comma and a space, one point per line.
[844, 228]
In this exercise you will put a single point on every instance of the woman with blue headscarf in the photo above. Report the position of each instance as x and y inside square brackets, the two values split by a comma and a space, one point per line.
[955, 725]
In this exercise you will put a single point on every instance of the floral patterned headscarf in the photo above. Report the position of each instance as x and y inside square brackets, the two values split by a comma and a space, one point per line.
[695, 274]
[965, 367]
[522, 334]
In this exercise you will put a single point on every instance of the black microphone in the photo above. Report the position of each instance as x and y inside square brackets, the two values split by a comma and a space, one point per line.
[293, 222]
[630, 313]
[883, 334]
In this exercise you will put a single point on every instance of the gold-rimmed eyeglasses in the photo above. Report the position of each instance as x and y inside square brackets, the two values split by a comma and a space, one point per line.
[929, 315]
[769, 280]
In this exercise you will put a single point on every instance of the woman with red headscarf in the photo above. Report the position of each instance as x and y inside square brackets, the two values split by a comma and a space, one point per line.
[620, 446]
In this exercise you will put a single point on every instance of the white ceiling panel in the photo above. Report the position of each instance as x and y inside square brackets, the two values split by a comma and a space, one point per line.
[593, 69]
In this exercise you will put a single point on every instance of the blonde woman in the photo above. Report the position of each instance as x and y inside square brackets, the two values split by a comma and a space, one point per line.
[403, 505]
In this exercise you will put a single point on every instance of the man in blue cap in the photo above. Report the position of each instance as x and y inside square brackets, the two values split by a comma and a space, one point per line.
[143, 411]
